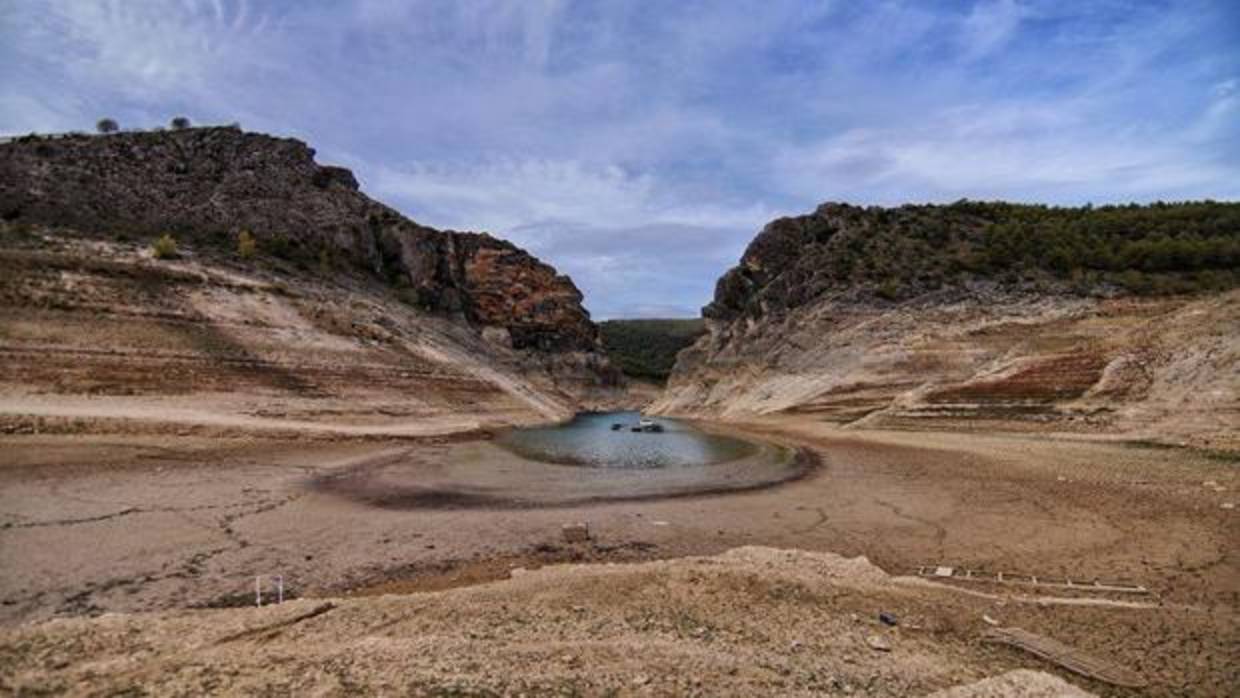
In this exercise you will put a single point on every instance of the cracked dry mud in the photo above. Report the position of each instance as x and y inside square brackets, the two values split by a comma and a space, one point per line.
[93, 524]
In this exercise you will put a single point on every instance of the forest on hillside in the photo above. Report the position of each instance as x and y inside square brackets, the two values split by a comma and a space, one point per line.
[646, 349]
[898, 253]
[1147, 249]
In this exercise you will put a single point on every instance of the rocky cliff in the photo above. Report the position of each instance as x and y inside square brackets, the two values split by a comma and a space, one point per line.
[1115, 320]
[340, 295]
[206, 185]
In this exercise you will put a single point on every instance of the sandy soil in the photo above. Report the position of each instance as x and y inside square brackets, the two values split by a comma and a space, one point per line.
[754, 621]
[138, 523]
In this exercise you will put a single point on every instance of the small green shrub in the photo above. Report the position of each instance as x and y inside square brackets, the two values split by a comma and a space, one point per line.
[106, 126]
[410, 296]
[247, 246]
[280, 246]
[179, 123]
[889, 290]
[165, 247]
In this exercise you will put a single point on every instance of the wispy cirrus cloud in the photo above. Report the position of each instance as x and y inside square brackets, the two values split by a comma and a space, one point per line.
[640, 146]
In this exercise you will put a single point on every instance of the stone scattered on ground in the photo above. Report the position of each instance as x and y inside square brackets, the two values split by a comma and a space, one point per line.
[879, 643]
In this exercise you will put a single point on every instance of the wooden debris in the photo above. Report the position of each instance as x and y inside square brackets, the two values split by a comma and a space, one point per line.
[967, 575]
[1067, 657]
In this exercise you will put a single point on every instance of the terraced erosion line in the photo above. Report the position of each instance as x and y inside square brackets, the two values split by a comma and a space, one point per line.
[109, 410]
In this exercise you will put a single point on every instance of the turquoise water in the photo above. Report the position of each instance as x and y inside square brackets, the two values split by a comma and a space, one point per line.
[589, 440]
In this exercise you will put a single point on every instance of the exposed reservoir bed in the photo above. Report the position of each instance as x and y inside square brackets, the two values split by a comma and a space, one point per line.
[94, 523]
[583, 460]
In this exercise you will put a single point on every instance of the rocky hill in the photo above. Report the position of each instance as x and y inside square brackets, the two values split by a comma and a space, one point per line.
[206, 185]
[979, 315]
[284, 277]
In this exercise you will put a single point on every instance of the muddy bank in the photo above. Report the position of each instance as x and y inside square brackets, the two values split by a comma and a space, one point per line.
[483, 475]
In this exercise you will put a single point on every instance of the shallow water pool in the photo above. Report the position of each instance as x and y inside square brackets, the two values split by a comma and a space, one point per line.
[575, 463]
[590, 440]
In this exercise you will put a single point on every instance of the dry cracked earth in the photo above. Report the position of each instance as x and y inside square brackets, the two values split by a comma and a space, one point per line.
[445, 599]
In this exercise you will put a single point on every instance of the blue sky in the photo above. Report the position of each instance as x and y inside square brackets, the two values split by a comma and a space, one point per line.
[639, 146]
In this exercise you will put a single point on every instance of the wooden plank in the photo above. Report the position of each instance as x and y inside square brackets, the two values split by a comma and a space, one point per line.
[1067, 657]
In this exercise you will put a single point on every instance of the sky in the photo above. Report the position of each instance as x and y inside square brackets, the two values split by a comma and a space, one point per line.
[639, 146]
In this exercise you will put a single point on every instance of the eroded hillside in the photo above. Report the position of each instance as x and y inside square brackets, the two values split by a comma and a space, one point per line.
[341, 310]
[1121, 320]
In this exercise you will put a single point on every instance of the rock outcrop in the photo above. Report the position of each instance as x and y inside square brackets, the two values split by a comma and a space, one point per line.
[918, 317]
[347, 316]
[206, 185]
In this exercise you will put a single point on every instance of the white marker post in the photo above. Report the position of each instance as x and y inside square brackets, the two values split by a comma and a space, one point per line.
[278, 579]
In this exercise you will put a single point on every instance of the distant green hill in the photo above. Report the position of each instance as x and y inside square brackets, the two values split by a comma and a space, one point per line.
[646, 349]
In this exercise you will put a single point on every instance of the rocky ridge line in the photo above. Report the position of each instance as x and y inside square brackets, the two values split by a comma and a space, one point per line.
[206, 185]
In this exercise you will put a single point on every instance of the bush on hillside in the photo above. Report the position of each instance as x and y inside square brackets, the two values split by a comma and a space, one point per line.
[1159, 248]
[165, 247]
[247, 246]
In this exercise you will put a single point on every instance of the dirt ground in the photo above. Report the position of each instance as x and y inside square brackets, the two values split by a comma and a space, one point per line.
[754, 621]
[92, 524]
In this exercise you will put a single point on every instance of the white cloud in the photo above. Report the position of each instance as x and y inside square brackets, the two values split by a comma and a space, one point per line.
[506, 194]
[626, 239]
[151, 48]
[989, 25]
[639, 147]
[1017, 152]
